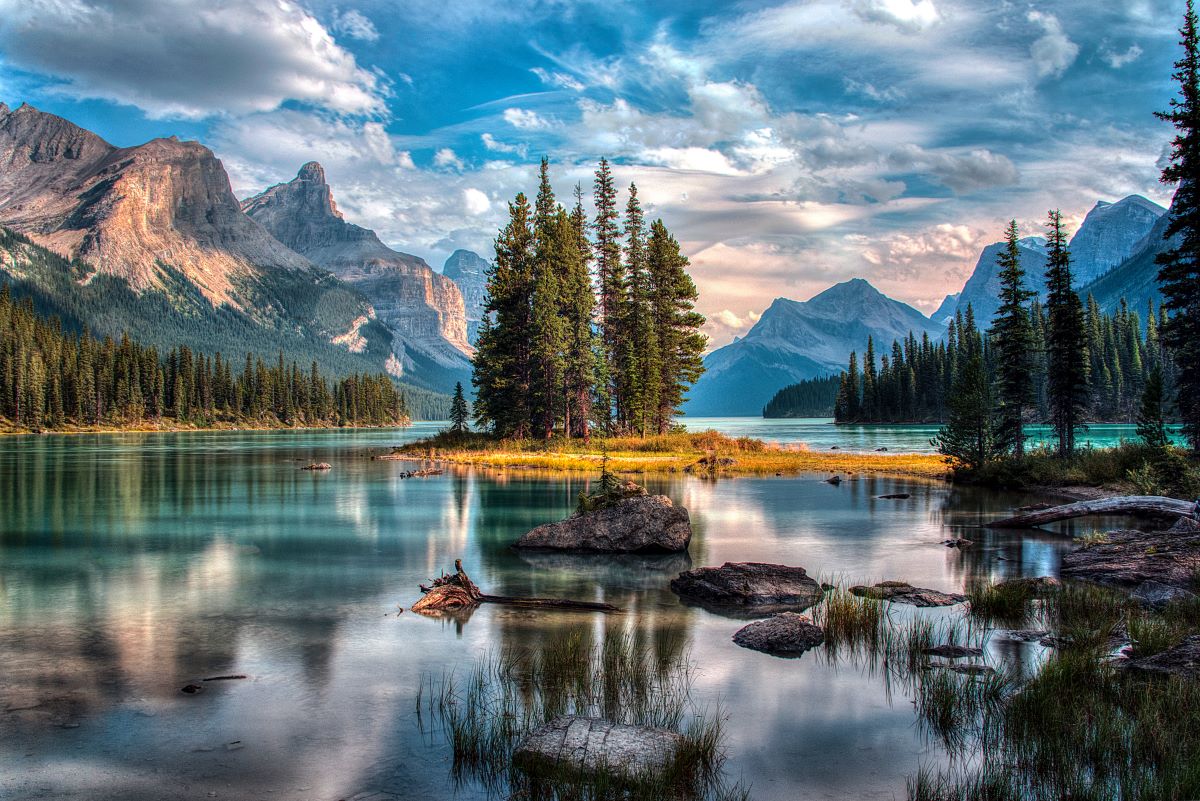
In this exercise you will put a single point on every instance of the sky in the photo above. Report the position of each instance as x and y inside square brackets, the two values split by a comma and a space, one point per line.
[788, 145]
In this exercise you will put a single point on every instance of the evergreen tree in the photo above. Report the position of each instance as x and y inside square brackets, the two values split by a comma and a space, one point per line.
[459, 414]
[554, 243]
[1151, 425]
[1179, 273]
[676, 325]
[970, 437]
[1012, 340]
[1067, 358]
[638, 365]
[611, 277]
[583, 355]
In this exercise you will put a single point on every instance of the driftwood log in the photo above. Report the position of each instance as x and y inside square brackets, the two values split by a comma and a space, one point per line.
[456, 591]
[1149, 505]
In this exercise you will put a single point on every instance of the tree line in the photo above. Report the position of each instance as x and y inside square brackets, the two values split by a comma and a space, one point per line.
[813, 397]
[559, 352]
[52, 379]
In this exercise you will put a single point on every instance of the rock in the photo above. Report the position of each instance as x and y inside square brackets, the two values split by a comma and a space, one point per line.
[1185, 525]
[834, 480]
[318, 466]
[1182, 660]
[834, 448]
[191, 689]
[1157, 595]
[969, 670]
[1129, 558]
[878, 450]
[952, 651]
[1019, 635]
[961, 542]
[895, 496]
[748, 586]
[590, 745]
[1037, 587]
[647, 524]
[901, 592]
[1053, 641]
[786, 634]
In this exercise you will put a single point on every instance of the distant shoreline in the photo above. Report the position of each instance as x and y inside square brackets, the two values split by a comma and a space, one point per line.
[178, 429]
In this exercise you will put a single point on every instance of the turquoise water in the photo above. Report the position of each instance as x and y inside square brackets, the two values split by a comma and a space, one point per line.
[821, 434]
[131, 565]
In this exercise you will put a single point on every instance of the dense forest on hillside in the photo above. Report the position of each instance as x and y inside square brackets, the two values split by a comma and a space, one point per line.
[812, 398]
[52, 379]
[912, 383]
[106, 306]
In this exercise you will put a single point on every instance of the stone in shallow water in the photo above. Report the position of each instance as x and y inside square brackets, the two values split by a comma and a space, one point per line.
[748, 586]
[902, 592]
[589, 745]
[1019, 635]
[786, 634]
[647, 524]
[1182, 660]
[953, 651]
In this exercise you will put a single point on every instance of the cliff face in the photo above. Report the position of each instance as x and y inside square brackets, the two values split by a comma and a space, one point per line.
[469, 271]
[423, 308]
[135, 212]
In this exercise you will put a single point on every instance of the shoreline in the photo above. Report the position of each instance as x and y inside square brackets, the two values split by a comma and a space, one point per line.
[176, 429]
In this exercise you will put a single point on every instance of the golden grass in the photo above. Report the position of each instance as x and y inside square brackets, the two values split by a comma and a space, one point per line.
[706, 452]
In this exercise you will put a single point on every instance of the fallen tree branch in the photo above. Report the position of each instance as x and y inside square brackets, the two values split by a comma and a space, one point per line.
[1149, 505]
[456, 591]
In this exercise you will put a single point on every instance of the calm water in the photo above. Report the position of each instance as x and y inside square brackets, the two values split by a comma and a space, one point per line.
[820, 433]
[131, 565]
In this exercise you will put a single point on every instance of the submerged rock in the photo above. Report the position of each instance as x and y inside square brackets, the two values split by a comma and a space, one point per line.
[1157, 595]
[752, 586]
[592, 745]
[952, 651]
[902, 592]
[1020, 635]
[318, 466]
[1182, 660]
[961, 542]
[895, 496]
[968, 670]
[645, 524]
[786, 634]
[834, 480]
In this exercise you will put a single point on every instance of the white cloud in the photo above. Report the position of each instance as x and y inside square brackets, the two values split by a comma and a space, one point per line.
[965, 172]
[1054, 51]
[524, 119]
[496, 146]
[475, 202]
[446, 158]
[354, 24]
[1118, 60]
[910, 15]
[557, 79]
[174, 59]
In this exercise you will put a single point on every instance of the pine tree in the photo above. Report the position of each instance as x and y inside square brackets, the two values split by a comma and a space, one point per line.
[1179, 273]
[459, 414]
[1067, 358]
[676, 325]
[582, 356]
[1012, 340]
[611, 277]
[553, 245]
[638, 358]
[1151, 425]
[970, 437]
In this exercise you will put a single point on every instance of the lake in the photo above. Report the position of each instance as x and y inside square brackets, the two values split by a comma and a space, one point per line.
[134, 564]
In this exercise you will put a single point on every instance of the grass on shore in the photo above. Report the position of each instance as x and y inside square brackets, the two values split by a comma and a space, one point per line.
[703, 452]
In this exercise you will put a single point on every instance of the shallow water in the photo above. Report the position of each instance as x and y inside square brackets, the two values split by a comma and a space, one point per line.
[131, 565]
[821, 434]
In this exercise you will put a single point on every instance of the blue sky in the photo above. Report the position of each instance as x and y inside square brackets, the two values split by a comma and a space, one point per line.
[789, 145]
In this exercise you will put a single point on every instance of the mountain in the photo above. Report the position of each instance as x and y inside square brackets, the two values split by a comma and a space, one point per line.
[945, 311]
[796, 340]
[1109, 235]
[982, 290]
[424, 309]
[151, 240]
[1134, 280]
[469, 271]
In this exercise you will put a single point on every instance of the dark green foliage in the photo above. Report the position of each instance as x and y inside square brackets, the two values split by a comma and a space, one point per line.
[1067, 357]
[460, 415]
[815, 397]
[676, 362]
[972, 435]
[1151, 423]
[1179, 274]
[52, 379]
[1011, 340]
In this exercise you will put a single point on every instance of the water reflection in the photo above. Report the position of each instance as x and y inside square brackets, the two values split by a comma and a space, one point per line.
[131, 565]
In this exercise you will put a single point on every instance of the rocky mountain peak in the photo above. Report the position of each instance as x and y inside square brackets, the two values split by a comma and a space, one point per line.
[1110, 234]
[469, 271]
[306, 198]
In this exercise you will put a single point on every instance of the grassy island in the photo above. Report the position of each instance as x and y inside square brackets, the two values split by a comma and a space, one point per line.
[703, 452]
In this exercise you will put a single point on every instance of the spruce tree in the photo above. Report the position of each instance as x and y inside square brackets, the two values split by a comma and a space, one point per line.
[1067, 358]
[459, 414]
[583, 355]
[970, 436]
[554, 243]
[611, 277]
[1012, 340]
[1151, 425]
[638, 366]
[675, 323]
[1179, 273]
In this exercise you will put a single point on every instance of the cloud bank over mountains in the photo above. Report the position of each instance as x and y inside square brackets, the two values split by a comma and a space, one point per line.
[789, 145]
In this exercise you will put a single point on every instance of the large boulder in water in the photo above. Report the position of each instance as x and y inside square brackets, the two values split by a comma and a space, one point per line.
[645, 524]
[588, 746]
[745, 588]
[785, 634]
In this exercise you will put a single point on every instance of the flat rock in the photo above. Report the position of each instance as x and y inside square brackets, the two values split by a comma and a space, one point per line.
[786, 634]
[952, 651]
[589, 745]
[1020, 635]
[1157, 595]
[1182, 660]
[968, 670]
[895, 496]
[749, 586]
[1130, 558]
[901, 592]
[960, 542]
[646, 524]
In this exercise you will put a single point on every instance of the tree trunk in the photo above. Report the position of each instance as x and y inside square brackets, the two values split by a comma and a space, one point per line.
[454, 592]
[1149, 505]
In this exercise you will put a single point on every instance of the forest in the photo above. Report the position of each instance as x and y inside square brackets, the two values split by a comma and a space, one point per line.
[52, 379]
[558, 355]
